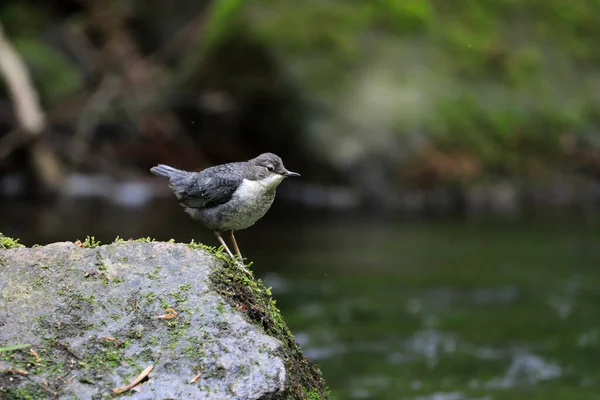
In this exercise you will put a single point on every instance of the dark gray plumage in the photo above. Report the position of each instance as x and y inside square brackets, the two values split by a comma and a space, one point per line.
[228, 197]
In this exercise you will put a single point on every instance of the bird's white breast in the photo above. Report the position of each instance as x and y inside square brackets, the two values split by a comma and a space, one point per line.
[250, 188]
[253, 193]
[252, 200]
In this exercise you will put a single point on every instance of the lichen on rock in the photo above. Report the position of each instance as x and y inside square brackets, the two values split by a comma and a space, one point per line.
[78, 321]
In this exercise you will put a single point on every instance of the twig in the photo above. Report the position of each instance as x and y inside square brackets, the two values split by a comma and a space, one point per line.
[137, 380]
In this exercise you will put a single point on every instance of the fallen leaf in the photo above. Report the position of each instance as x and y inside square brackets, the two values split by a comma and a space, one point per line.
[137, 380]
[171, 313]
[16, 371]
[138, 388]
[195, 378]
[35, 354]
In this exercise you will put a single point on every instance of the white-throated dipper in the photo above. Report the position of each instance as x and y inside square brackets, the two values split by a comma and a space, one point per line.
[228, 197]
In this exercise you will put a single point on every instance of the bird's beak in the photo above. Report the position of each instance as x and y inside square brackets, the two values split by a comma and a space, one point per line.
[290, 173]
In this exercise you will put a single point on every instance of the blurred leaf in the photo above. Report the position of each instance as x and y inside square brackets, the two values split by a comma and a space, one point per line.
[55, 77]
[222, 22]
[222, 19]
[14, 347]
[406, 15]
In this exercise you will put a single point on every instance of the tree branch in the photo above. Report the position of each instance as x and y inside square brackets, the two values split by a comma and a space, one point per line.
[24, 97]
[30, 117]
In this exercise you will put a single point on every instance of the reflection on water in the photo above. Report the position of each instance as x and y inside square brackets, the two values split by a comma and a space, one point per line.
[449, 311]
[396, 310]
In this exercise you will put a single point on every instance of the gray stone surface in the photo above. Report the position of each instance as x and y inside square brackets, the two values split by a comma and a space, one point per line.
[69, 302]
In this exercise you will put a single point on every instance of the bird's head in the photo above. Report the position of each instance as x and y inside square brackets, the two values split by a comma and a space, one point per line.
[269, 169]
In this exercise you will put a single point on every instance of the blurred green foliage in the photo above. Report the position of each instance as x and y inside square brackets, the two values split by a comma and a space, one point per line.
[502, 81]
[222, 16]
[514, 75]
[54, 75]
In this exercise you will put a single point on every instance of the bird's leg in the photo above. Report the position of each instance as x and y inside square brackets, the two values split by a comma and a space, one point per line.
[235, 246]
[220, 239]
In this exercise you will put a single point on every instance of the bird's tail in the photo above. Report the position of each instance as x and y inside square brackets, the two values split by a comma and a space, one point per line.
[165, 171]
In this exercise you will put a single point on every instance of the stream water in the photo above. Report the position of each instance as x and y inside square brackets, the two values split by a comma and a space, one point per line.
[396, 309]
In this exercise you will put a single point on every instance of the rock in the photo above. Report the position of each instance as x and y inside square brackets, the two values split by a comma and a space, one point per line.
[89, 319]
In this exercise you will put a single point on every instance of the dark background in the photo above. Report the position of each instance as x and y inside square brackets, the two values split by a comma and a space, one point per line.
[442, 242]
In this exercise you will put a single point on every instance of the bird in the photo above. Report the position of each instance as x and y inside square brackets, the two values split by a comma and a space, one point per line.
[229, 197]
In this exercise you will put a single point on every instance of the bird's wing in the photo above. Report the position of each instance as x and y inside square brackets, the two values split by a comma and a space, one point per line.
[210, 188]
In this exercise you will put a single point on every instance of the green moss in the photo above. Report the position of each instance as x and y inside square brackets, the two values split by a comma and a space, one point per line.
[164, 304]
[38, 282]
[79, 298]
[177, 328]
[145, 240]
[259, 307]
[116, 279]
[195, 350]
[8, 243]
[137, 333]
[312, 394]
[181, 296]
[89, 242]
[89, 299]
[28, 392]
[154, 274]
[53, 361]
[195, 245]
[103, 354]
[148, 239]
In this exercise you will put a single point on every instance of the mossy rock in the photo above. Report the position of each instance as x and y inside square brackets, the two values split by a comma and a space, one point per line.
[78, 320]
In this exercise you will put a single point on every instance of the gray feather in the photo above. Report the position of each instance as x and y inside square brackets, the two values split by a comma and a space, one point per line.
[164, 170]
[211, 187]
[207, 188]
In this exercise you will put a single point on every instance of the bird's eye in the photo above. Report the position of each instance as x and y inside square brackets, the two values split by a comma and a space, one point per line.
[270, 168]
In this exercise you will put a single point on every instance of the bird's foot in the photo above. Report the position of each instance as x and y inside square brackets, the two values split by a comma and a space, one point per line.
[241, 266]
